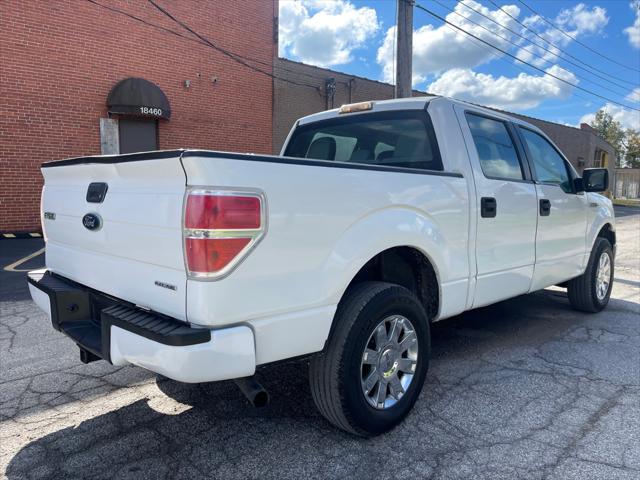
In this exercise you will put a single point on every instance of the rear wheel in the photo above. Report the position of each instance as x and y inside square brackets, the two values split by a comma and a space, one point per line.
[373, 368]
[591, 291]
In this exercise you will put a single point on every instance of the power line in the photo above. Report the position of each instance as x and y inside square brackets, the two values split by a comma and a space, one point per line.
[576, 40]
[632, 84]
[206, 41]
[500, 58]
[238, 58]
[207, 44]
[609, 78]
[606, 87]
[435, 15]
[200, 42]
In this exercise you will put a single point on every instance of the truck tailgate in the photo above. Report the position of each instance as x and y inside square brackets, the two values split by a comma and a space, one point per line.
[136, 251]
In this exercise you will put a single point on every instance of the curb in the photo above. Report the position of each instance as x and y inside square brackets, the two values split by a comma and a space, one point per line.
[617, 203]
[18, 235]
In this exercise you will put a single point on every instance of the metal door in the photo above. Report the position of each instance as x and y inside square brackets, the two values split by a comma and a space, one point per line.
[138, 135]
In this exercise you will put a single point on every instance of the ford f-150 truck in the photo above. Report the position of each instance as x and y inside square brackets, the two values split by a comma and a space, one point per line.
[377, 219]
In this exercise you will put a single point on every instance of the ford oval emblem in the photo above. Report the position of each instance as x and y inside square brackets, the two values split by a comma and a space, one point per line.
[92, 221]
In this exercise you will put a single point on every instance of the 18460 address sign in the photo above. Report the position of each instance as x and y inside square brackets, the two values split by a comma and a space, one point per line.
[151, 111]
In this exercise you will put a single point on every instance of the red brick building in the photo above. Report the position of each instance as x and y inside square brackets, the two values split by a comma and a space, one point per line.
[59, 62]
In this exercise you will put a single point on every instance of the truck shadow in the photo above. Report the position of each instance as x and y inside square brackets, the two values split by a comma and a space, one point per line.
[216, 434]
[218, 427]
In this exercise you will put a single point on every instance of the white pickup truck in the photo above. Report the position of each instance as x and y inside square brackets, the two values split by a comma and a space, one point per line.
[377, 219]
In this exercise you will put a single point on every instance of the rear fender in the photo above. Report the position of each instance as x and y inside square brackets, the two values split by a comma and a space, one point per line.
[377, 232]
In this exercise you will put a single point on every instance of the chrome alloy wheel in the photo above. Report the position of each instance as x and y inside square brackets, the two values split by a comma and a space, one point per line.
[389, 361]
[603, 276]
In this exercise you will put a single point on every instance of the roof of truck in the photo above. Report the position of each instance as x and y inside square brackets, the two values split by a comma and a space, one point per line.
[413, 103]
[416, 103]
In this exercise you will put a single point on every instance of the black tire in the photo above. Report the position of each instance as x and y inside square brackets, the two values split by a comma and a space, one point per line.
[582, 290]
[335, 374]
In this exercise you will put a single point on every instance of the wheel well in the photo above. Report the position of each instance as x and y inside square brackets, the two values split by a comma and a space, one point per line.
[608, 233]
[408, 267]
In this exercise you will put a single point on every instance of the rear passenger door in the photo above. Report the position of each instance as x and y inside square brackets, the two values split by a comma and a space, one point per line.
[562, 222]
[506, 208]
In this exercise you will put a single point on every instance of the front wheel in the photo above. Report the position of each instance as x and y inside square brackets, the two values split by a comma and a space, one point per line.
[591, 291]
[373, 368]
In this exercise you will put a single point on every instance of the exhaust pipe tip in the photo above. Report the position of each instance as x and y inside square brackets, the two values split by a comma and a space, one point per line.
[261, 399]
[254, 391]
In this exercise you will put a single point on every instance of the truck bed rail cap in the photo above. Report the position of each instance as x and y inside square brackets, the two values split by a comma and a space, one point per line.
[125, 157]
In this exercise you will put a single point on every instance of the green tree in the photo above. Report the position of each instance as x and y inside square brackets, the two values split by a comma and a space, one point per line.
[632, 148]
[611, 131]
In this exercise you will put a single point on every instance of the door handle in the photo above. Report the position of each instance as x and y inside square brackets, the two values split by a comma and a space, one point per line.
[488, 207]
[545, 207]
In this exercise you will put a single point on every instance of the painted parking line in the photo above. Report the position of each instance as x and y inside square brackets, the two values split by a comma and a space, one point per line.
[21, 235]
[13, 266]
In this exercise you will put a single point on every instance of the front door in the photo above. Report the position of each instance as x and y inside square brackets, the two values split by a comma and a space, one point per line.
[506, 208]
[562, 221]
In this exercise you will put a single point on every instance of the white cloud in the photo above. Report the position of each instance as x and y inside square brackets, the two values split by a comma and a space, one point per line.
[324, 32]
[577, 21]
[633, 32]
[627, 118]
[634, 96]
[436, 49]
[521, 92]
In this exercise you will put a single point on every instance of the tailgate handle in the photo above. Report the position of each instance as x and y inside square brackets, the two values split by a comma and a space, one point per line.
[96, 192]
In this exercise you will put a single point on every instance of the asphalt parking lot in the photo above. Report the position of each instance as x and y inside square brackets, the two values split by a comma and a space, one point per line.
[527, 388]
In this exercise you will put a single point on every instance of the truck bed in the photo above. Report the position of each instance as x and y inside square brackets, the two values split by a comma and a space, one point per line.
[324, 220]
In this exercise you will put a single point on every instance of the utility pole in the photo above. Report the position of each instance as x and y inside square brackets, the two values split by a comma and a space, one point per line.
[404, 48]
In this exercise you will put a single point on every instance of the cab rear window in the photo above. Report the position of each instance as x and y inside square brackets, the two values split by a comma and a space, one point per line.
[393, 139]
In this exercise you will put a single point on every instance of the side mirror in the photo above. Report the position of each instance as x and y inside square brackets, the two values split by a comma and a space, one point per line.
[595, 179]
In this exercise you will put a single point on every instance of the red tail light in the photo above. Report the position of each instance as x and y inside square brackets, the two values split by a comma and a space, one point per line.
[220, 228]
[222, 212]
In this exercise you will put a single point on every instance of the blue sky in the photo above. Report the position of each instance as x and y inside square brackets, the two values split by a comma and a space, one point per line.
[356, 36]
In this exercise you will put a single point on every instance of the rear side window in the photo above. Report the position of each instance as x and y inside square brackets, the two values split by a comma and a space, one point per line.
[397, 139]
[496, 150]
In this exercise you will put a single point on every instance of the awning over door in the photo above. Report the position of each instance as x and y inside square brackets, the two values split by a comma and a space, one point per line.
[137, 96]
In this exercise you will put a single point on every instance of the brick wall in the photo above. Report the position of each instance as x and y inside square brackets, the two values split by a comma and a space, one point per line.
[59, 60]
